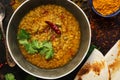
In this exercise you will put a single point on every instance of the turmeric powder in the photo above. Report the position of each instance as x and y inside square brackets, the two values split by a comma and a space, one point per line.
[106, 7]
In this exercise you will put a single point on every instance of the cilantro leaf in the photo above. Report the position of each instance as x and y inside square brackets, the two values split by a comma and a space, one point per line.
[9, 76]
[44, 48]
[47, 49]
[23, 34]
[30, 48]
[49, 54]
[24, 41]
[47, 44]
[36, 45]
[23, 37]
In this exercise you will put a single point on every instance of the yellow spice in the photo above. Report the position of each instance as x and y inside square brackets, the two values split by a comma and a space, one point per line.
[106, 7]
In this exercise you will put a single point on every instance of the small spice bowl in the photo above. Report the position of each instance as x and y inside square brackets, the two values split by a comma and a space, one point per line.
[112, 14]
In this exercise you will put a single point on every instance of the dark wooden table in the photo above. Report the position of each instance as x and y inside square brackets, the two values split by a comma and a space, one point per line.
[105, 33]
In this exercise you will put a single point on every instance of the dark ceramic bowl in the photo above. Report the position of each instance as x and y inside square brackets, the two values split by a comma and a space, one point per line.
[108, 16]
[15, 52]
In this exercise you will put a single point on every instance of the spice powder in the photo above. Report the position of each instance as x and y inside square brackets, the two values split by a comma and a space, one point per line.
[106, 7]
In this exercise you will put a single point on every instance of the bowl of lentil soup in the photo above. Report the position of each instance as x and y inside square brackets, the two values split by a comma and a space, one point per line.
[48, 38]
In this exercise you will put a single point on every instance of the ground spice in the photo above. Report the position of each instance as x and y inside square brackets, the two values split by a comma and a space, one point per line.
[106, 7]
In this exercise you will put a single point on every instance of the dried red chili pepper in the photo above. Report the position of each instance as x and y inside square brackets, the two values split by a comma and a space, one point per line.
[54, 27]
[46, 29]
[52, 37]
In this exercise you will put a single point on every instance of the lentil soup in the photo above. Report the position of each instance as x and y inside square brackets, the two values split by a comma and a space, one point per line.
[55, 24]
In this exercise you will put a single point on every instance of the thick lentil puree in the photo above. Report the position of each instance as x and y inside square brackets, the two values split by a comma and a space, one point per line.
[65, 45]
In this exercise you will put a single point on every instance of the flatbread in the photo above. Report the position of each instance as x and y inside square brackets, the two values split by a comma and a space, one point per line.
[95, 68]
[113, 60]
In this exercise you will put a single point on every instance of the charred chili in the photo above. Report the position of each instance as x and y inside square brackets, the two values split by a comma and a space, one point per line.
[54, 27]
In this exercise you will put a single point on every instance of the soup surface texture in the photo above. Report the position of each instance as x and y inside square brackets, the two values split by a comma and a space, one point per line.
[56, 25]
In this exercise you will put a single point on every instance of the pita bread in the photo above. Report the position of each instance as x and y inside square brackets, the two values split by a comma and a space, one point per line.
[95, 68]
[113, 60]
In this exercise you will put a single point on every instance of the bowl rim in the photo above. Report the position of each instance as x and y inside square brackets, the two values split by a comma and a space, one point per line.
[89, 42]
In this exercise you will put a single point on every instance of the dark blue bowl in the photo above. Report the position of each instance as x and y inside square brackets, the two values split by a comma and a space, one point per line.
[108, 16]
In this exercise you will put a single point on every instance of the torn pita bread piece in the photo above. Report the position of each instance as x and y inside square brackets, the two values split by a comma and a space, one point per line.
[95, 68]
[113, 60]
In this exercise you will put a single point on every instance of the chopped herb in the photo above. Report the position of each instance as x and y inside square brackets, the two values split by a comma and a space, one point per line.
[30, 49]
[47, 44]
[23, 35]
[24, 41]
[36, 45]
[49, 54]
[9, 76]
[47, 49]
[44, 48]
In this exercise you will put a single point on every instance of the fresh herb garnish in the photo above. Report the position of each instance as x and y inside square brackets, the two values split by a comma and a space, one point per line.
[49, 54]
[30, 49]
[44, 48]
[23, 35]
[24, 41]
[36, 45]
[47, 49]
[9, 76]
